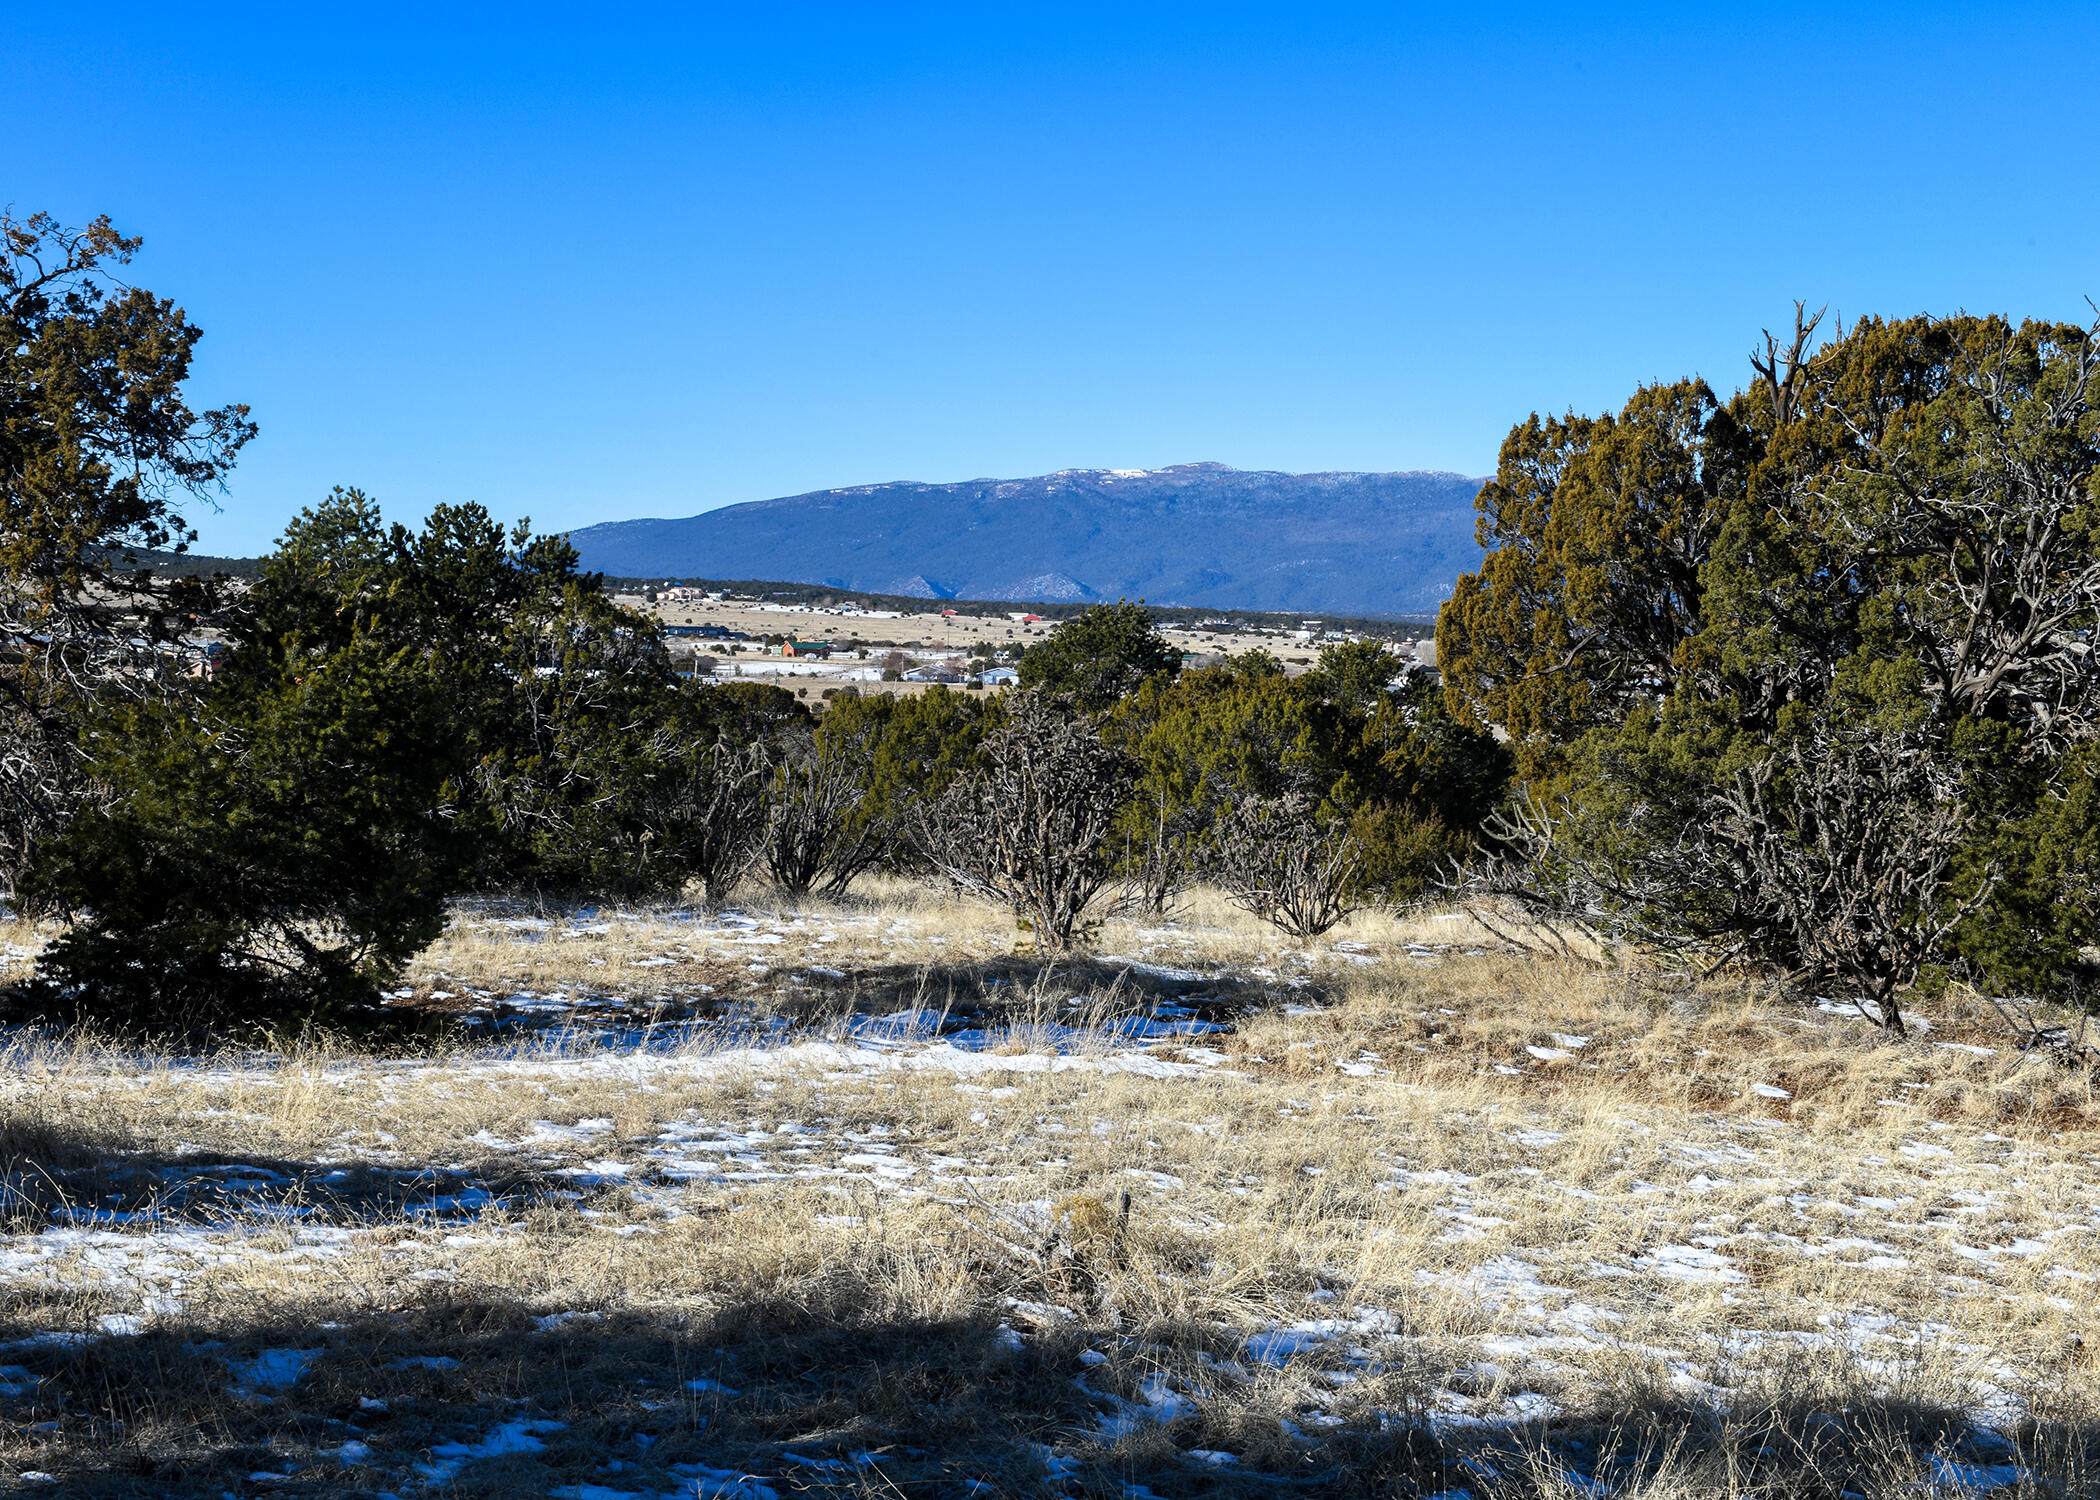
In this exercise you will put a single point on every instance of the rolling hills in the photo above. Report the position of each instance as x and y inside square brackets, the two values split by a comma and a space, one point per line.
[1198, 534]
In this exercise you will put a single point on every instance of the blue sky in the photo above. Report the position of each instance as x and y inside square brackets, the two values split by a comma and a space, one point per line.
[603, 262]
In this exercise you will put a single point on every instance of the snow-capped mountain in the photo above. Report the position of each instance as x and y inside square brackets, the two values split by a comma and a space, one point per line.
[1201, 534]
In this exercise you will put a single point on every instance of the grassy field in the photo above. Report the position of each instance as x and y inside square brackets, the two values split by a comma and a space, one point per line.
[854, 1200]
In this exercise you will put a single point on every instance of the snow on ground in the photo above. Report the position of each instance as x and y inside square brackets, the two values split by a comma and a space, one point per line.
[1520, 1242]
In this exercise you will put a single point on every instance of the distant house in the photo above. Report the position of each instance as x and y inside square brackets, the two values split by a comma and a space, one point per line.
[205, 663]
[938, 671]
[999, 676]
[819, 650]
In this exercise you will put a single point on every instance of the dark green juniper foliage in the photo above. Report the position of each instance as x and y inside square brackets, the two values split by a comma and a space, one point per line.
[907, 751]
[399, 716]
[98, 445]
[280, 846]
[1871, 578]
[1099, 657]
[1362, 740]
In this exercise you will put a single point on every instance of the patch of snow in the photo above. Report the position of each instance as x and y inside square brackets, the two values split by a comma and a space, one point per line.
[521, 1436]
[274, 1369]
[1949, 1475]
[1689, 1263]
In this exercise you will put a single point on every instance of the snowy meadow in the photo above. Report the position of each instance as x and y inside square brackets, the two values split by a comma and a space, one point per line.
[854, 1200]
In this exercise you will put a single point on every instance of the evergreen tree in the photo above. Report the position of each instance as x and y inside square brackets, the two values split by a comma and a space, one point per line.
[281, 847]
[1099, 657]
[98, 447]
[1883, 550]
[399, 716]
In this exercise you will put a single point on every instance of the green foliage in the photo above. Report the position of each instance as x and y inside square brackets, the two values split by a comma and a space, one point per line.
[1256, 662]
[560, 700]
[400, 716]
[1099, 657]
[1354, 676]
[1890, 540]
[739, 712]
[1597, 530]
[282, 848]
[98, 446]
[1212, 733]
[1355, 741]
[1403, 849]
[1423, 786]
[907, 749]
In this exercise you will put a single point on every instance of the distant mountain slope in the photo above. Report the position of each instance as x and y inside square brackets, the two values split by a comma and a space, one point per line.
[1200, 534]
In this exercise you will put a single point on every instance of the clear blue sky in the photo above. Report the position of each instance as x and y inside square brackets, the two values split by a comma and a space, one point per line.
[599, 262]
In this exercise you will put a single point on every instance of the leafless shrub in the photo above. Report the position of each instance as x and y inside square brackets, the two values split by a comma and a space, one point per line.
[1276, 860]
[1030, 828]
[1160, 863]
[1849, 841]
[1830, 857]
[811, 840]
[709, 815]
[1558, 878]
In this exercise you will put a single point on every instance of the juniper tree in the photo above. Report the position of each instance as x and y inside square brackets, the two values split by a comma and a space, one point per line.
[1100, 656]
[1890, 537]
[99, 449]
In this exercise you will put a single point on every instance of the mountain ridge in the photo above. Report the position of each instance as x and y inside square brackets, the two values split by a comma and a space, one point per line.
[1199, 534]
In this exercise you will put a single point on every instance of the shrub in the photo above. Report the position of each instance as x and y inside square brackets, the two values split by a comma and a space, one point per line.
[1848, 839]
[1277, 860]
[400, 716]
[1030, 827]
[1365, 739]
[908, 751]
[285, 849]
[1404, 852]
[811, 838]
[706, 814]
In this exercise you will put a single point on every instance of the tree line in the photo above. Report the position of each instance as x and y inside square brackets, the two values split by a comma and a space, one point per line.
[253, 799]
[1803, 677]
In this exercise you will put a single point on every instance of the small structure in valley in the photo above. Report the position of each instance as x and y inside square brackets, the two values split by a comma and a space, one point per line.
[938, 671]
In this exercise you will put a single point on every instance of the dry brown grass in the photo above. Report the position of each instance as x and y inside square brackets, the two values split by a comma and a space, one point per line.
[1470, 1266]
